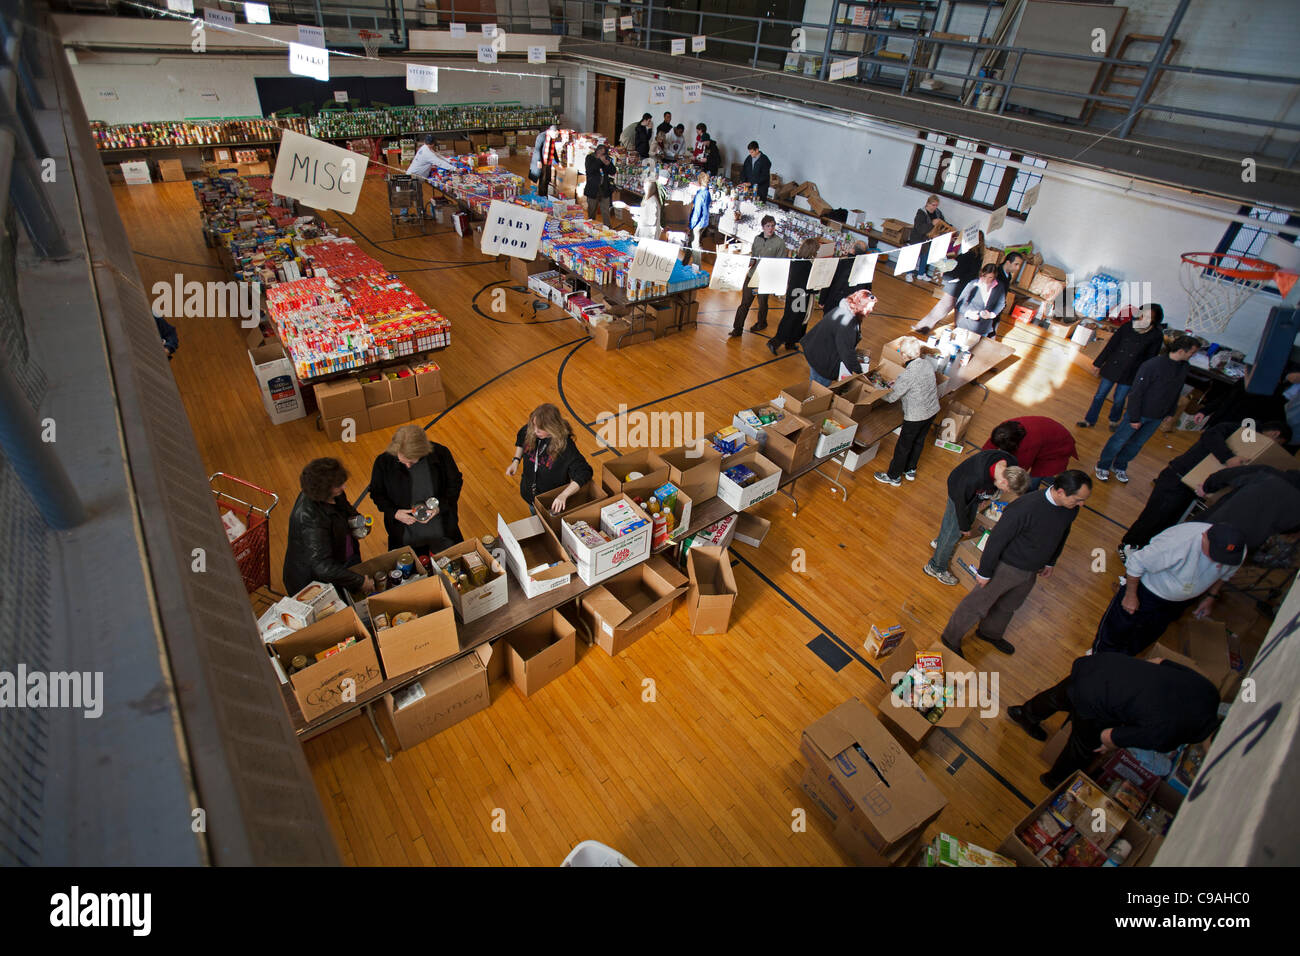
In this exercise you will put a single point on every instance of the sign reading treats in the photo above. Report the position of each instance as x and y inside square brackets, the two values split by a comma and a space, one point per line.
[697, 44]
[679, 47]
[458, 30]
[421, 77]
[309, 61]
[312, 36]
[537, 54]
[653, 261]
[218, 18]
[512, 230]
[318, 174]
[691, 92]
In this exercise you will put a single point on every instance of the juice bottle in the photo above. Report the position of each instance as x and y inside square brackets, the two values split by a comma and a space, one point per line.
[670, 520]
[652, 505]
[659, 534]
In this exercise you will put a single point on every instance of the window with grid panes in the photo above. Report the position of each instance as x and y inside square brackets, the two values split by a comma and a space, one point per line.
[938, 165]
[1243, 239]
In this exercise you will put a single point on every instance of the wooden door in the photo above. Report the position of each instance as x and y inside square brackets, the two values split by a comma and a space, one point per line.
[609, 107]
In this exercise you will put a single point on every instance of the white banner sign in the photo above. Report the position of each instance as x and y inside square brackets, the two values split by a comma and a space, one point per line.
[1031, 197]
[181, 6]
[421, 77]
[851, 68]
[512, 230]
[625, 23]
[219, 18]
[312, 36]
[487, 53]
[458, 30]
[489, 29]
[537, 54]
[939, 249]
[864, 267]
[691, 92]
[210, 96]
[653, 260]
[321, 175]
[257, 13]
[609, 25]
[996, 220]
[970, 237]
[136, 174]
[697, 44]
[309, 61]
[340, 96]
[658, 92]
[907, 258]
[729, 272]
[773, 276]
[678, 47]
[836, 71]
[823, 271]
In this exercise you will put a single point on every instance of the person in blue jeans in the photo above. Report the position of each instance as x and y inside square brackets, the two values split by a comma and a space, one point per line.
[1117, 365]
[1154, 397]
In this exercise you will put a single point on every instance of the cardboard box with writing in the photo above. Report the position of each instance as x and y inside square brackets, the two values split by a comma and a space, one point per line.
[966, 561]
[1261, 451]
[389, 415]
[447, 695]
[806, 398]
[751, 529]
[851, 841]
[614, 474]
[335, 427]
[694, 468]
[478, 601]
[790, 443]
[908, 724]
[277, 383]
[954, 418]
[340, 399]
[741, 497]
[598, 562]
[712, 591]
[338, 679]
[427, 405]
[836, 441]
[538, 652]
[383, 563]
[630, 605]
[536, 558]
[883, 794]
[375, 388]
[401, 382]
[430, 638]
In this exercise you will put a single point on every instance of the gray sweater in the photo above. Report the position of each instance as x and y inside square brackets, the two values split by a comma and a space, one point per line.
[918, 387]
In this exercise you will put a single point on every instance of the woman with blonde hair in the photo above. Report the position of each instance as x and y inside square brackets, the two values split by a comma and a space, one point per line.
[651, 214]
[409, 472]
[918, 388]
[551, 459]
[798, 299]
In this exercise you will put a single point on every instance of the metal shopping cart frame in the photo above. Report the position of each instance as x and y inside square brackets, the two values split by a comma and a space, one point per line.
[406, 202]
[252, 549]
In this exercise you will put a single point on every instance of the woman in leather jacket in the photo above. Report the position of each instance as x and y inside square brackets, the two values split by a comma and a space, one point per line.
[321, 545]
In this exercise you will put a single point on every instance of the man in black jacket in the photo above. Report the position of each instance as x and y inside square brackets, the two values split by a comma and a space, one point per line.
[600, 183]
[1265, 501]
[1132, 344]
[1154, 397]
[833, 341]
[666, 126]
[1116, 701]
[1023, 546]
[758, 170]
[321, 546]
[1170, 496]
[839, 289]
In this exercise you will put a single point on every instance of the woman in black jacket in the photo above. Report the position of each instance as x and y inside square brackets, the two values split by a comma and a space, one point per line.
[798, 300]
[409, 472]
[1132, 344]
[321, 546]
[551, 459]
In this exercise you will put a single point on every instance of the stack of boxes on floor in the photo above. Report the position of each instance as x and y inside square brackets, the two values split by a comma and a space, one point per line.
[380, 399]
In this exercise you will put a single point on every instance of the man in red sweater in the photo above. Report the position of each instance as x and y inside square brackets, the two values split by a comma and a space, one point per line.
[1045, 449]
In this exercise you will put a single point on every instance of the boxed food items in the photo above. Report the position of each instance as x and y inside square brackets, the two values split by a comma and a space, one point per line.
[881, 642]
[727, 441]
[328, 664]
[1078, 825]
[945, 850]
[415, 625]
[476, 582]
[749, 479]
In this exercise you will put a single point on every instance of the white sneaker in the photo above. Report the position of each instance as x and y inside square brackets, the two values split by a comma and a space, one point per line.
[1121, 476]
[1101, 473]
[934, 544]
[909, 277]
[910, 475]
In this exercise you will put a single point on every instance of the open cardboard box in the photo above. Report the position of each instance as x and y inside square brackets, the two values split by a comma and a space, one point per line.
[790, 442]
[630, 605]
[475, 603]
[387, 563]
[585, 494]
[750, 420]
[712, 591]
[856, 398]
[614, 473]
[1261, 451]
[694, 468]
[751, 529]
[430, 638]
[740, 498]
[806, 398]
[881, 791]
[853, 841]
[1118, 825]
[907, 723]
[536, 558]
[451, 693]
[966, 561]
[340, 678]
[595, 564]
[539, 651]
[1202, 646]
[838, 440]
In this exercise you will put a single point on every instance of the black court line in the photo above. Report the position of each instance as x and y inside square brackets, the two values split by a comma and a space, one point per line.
[179, 262]
[956, 764]
[460, 262]
[1102, 514]
[522, 323]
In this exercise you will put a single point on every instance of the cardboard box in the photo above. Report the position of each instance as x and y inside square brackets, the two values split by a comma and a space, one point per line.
[451, 693]
[536, 558]
[1118, 824]
[538, 652]
[851, 841]
[632, 604]
[402, 387]
[791, 443]
[855, 397]
[337, 680]
[340, 399]
[428, 382]
[614, 472]
[1202, 646]
[277, 383]
[907, 723]
[376, 392]
[966, 561]
[712, 591]
[385, 562]
[585, 494]
[605, 335]
[880, 790]
[424, 406]
[751, 529]
[854, 458]
[806, 398]
[769, 479]
[171, 170]
[838, 440]
[694, 468]
[482, 600]
[1261, 451]
[606, 560]
[333, 427]
[389, 415]
[430, 638]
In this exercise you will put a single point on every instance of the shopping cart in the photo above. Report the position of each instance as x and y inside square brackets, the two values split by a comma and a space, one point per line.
[405, 205]
[247, 525]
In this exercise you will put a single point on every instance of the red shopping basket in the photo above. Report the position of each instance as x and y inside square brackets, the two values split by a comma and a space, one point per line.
[252, 546]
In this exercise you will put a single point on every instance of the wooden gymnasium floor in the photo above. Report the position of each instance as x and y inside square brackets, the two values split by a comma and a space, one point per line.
[708, 774]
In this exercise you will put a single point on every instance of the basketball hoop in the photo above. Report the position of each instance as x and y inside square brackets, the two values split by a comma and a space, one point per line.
[1217, 284]
[370, 41]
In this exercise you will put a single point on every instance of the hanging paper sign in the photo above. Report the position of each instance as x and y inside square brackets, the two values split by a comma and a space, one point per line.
[312, 36]
[697, 44]
[511, 230]
[458, 30]
[181, 6]
[851, 68]
[823, 271]
[729, 272]
[939, 249]
[487, 53]
[609, 25]
[625, 23]
[907, 258]
[836, 71]
[970, 237]
[678, 47]
[996, 220]
[773, 276]
[658, 92]
[1031, 197]
[489, 29]
[421, 77]
[691, 92]
[218, 18]
[340, 96]
[537, 54]
[210, 96]
[864, 267]
[309, 61]
[257, 13]
[319, 174]
[653, 260]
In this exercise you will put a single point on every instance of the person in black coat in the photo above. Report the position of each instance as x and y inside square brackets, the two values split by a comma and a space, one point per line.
[1153, 398]
[712, 157]
[798, 300]
[839, 289]
[600, 183]
[758, 171]
[981, 302]
[965, 272]
[167, 332]
[321, 545]
[644, 134]
[833, 341]
[924, 221]
[550, 458]
[408, 473]
[1132, 344]
[1265, 501]
[1116, 701]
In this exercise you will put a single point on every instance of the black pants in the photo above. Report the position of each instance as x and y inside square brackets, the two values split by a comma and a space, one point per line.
[1169, 499]
[1085, 736]
[907, 452]
[742, 313]
[793, 322]
[1123, 633]
[544, 181]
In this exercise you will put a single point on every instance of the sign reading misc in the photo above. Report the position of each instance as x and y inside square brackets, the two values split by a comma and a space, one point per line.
[421, 77]
[691, 92]
[653, 261]
[512, 230]
[309, 61]
[318, 174]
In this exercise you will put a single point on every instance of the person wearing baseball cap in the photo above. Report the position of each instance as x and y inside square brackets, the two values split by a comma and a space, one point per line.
[1179, 565]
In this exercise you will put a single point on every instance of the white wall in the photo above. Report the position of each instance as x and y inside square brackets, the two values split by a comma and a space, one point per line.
[1087, 220]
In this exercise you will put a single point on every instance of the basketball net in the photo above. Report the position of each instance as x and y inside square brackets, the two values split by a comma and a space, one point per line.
[1217, 285]
[370, 41]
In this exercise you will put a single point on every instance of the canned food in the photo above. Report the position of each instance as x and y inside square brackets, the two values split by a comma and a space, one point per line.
[381, 581]
[406, 564]
[395, 578]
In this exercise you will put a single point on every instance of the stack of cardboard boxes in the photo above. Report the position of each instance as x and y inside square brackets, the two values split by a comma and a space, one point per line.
[380, 399]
